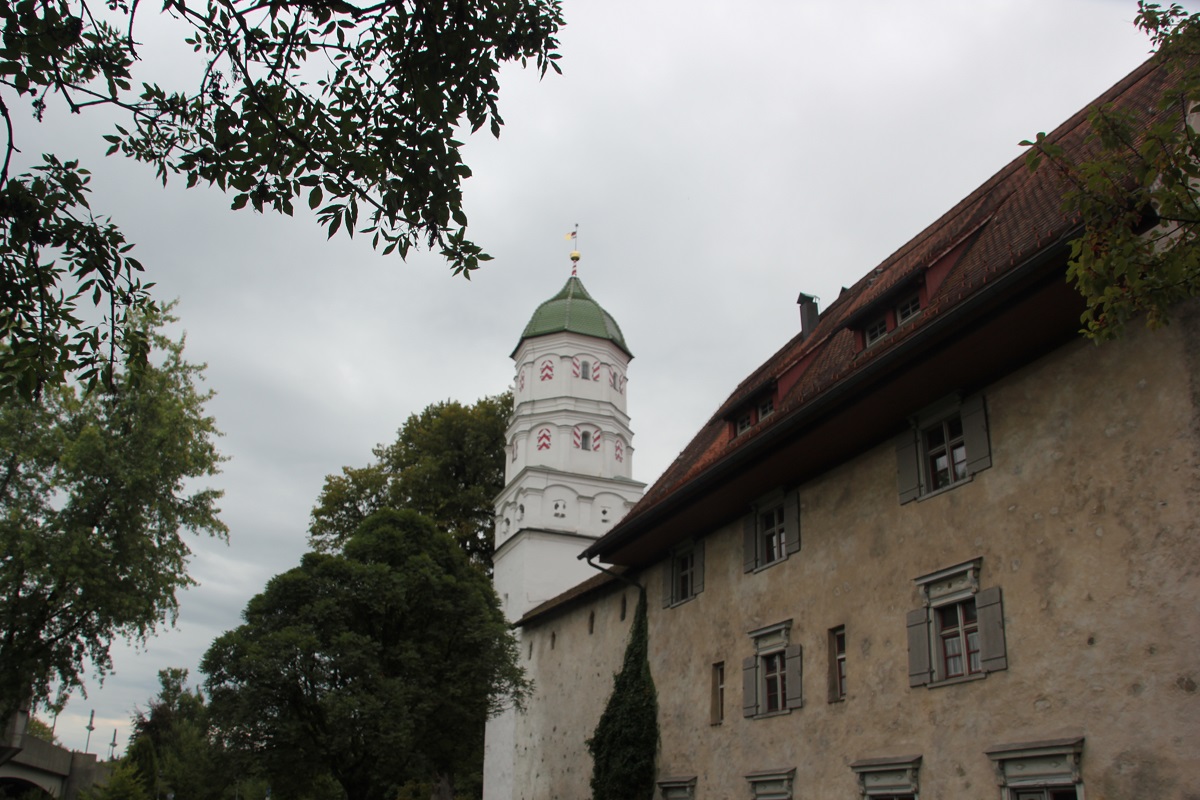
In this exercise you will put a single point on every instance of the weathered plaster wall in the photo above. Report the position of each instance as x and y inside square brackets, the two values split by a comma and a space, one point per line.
[573, 671]
[1087, 521]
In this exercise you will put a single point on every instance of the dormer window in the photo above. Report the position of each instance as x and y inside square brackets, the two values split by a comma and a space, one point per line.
[875, 328]
[743, 423]
[908, 308]
[766, 408]
[875, 331]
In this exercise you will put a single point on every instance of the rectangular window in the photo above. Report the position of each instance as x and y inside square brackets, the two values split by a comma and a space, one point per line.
[766, 408]
[1047, 769]
[958, 633]
[772, 677]
[683, 576]
[837, 664]
[891, 778]
[743, 423]
[958, 629]
[908, 308]
[772, 530]
[943, 446]
[717, 711]
[875, 331]
[774, 682]
[945, 453]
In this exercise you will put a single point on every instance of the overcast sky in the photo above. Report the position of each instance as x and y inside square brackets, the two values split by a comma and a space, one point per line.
[719, 157]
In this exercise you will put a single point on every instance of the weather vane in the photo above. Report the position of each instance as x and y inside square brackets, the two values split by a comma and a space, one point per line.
[573, 237]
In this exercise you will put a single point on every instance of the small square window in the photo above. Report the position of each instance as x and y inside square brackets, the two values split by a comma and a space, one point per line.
[908, 308]
[875, 330]
[743, 423]
[766, 408]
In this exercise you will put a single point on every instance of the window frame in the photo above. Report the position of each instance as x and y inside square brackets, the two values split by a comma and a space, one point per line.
[771, 784]
[904, 310]
[914, 477]
[887, 778]
[952, 587]
[681, 787]
[1050, 765]
[716, 714]
[837, 664]
[772, 645]
[785, 507]
[876, 330]
[686, 560]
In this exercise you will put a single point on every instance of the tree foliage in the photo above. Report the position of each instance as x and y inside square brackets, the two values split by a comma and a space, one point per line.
[124, 782]
[96, 490]
[1135, 190]
[625, 743]
[447, 463]
[170, 744]
[377, 666]
[349, 108]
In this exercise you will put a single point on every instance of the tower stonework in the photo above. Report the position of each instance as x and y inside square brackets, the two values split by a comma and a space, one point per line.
[569, 469]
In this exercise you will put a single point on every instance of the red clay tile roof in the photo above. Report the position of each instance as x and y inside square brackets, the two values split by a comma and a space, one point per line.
[1011, 218]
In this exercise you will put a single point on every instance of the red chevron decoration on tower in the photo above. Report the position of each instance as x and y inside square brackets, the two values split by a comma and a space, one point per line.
[619, 449]
[547, 370]
[596, 437]
[543, 439]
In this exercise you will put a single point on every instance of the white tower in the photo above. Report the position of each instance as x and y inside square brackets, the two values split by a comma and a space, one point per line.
[568, 479]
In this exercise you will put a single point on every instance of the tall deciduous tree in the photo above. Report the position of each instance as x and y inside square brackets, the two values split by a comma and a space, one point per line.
[377, 666]
[351, 108]
[1134, 190]
[97, 490]
[446, 463]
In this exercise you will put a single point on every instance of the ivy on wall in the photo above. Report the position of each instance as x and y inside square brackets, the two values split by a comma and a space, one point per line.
[626, 738]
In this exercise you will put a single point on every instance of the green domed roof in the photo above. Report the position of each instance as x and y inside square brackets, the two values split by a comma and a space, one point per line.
[574, 310]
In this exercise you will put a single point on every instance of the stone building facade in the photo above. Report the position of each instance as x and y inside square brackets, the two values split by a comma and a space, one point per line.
[936, 547]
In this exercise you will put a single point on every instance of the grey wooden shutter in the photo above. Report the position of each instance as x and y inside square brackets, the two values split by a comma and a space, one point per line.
[990, 608]
[668, 580]
[920, 670]
[908, 466]
[794, 665]
[750, 542]
[749, 686]
[698, 567]
[975, 434]
[791, 522]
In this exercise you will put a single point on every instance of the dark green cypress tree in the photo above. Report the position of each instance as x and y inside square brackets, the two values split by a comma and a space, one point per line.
[626, 738]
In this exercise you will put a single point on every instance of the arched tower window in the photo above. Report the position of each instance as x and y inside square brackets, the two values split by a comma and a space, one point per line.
[585, 440]
[585, 370]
